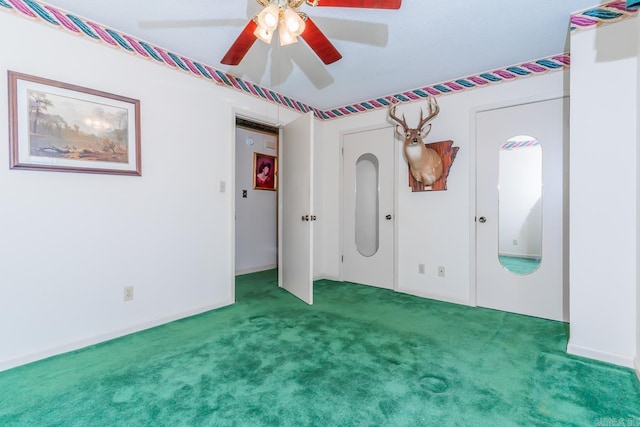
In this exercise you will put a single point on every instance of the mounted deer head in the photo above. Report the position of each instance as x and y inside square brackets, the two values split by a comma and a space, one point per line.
[424, 163]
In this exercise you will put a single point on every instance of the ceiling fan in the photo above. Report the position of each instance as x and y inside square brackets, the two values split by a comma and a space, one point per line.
[284, 16]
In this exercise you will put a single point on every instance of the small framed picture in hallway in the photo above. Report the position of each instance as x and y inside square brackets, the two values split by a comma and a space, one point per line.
[265, 172]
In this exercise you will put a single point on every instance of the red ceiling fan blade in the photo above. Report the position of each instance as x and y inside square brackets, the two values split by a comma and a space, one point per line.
[365, 4]
[241, 46]
[319, 42]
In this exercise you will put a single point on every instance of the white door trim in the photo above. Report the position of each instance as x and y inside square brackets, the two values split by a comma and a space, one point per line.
[473, 170]
[396, 205]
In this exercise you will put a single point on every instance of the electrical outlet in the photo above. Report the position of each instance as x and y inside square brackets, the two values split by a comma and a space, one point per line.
[515, 242]
[420, 268]
[128, 293]
[223, 186]
[440, 271]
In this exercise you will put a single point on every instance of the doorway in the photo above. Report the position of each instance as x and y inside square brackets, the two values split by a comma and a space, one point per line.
[256, 199]
[368, 207]
[521, 210]
[287, 199]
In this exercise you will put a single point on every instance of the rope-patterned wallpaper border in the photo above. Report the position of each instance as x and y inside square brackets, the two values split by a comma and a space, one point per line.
[607, 13]
[47, 14]
[527, 69]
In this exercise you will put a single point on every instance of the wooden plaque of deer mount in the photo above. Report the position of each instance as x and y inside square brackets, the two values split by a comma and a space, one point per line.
[429, 164]
[447, 153]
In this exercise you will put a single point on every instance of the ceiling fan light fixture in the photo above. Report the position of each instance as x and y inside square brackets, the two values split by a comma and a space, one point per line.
[263, 34]
[295, 25]
[269, 16]
[284, 16]
[285, 36]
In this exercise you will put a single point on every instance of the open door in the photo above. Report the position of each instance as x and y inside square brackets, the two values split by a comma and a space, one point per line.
[296, 209]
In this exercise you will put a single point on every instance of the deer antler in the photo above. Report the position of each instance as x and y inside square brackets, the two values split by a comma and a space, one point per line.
[434, 109]
[403, 122]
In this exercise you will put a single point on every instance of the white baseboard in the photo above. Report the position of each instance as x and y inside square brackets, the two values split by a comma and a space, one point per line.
[97, 339]
[255, 269]
[434, 296]
[603, 356]
[326, 277]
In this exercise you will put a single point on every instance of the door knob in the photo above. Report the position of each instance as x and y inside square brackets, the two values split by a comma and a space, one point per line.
[388, 217]
[482, 220]
[313, 218]
[305, 217]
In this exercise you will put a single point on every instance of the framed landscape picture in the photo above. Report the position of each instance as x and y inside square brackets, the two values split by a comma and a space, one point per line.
[58, 126]
[265, 172]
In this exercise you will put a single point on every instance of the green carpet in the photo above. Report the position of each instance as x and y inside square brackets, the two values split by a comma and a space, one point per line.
[361, 356]
[519, 265]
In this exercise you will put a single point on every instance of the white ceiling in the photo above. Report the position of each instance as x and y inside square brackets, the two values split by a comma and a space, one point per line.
[384, 51]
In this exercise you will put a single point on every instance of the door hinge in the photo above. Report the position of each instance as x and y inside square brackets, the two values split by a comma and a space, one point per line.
[341, 258]
[342, 151]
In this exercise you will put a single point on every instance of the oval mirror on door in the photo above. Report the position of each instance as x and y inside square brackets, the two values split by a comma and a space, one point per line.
[367, 206]
[520, 205]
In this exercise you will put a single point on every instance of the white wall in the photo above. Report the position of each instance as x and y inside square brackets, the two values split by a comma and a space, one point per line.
[71, 241]
[637, 362]
[434, 228]
[603, 198]
[319, 208]
[256, 215]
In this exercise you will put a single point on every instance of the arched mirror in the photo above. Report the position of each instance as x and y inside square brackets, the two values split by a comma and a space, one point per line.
[367, 206]
[520, 205]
